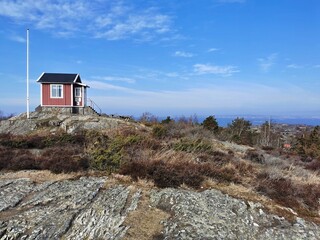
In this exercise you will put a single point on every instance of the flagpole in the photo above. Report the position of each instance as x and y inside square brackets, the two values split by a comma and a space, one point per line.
[28, 73]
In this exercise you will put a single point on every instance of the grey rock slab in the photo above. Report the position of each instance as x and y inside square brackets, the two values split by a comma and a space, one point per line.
[50, 211]
[214, 215]
[103, 219]
[13, 191]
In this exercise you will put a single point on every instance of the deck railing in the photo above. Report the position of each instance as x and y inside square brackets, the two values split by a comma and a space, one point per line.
[94, 106]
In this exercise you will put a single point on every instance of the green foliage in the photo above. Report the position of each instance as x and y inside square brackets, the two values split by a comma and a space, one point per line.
[239, 132]
[113, 155]
[159, 131]
[308, 145]
[189, 145]
[167, 120]
[210, 123]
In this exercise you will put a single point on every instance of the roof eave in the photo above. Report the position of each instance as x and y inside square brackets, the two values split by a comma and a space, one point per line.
[40, 77]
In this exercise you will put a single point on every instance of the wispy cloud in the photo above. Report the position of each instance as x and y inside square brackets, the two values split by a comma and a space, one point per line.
[294, 66]
[213, 69]
[111, 20]
[267, 62]
[17, 38]
[183, 54]
[231, 1]
[317, 66]
[227, 98]
[115, 79]
[213, 49]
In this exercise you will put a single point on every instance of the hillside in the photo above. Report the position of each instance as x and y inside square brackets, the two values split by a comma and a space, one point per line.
[98, 177]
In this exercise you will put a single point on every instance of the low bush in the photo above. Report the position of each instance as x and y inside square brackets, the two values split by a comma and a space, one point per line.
[23, 161]
[159, 131]
[59, 160]
[267, 148]
[216, 157]
[111, 156]
[255, 156]
[165, 174]
[40, 142]
[173, 174]
[193, 146]
[313, 165]
[303, 198]
[6, 156]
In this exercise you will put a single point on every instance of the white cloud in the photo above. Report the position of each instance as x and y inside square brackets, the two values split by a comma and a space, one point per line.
[213, 49]
[111, 20]
[213, 69]
[115, 79]
[232, 1]
[183, 54]
[17, 39]
[294, 66]
[266, 63]
[229, 98]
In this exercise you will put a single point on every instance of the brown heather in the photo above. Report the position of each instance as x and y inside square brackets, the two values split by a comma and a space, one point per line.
[177, 154]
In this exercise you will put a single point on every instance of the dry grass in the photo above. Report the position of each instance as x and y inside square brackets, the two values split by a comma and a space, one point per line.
[39, 176]
[145, 221]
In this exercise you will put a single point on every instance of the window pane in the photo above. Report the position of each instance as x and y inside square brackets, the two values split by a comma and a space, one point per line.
[78, 92]
[56, 91]
[59, 91]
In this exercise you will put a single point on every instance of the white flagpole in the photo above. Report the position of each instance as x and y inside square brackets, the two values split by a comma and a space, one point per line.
[28, 73]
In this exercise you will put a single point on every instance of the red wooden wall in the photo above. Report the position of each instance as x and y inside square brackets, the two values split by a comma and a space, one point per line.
[65, 101]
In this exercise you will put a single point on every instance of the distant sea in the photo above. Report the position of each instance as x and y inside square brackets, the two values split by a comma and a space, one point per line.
[224, 121]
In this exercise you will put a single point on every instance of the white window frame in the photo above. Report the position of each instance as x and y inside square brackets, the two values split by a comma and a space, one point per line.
[56, 87]
[80, 92]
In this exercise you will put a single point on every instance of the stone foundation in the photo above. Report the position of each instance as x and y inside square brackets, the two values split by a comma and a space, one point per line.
[67, 110]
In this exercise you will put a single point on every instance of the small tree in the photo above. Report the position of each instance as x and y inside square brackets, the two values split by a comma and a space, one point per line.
[167, 120]
[148, 118]
[211, 124]
[239, 131]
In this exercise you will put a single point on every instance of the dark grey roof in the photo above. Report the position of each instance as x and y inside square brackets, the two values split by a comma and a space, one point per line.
[59, 78]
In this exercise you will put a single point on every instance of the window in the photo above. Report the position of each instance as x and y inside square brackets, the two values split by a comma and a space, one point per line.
[77, 92]
[56, 91]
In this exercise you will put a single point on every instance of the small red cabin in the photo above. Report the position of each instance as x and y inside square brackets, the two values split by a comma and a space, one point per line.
[62, 90]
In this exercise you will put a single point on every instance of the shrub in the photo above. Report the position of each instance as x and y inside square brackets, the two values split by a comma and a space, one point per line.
[23, 161]
[113, 155]
[189, 145]
[40, 142]
[6, 156]
[165, 174]
[211, 124]
[314, 165]
[167, 120]
[255, 156]
[67, 161]
[215, 157]
[159, 131]
[173, 174]
[303, 198]
[267, 148]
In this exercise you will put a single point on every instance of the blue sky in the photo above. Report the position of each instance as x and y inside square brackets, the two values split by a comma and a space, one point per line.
[168, 57]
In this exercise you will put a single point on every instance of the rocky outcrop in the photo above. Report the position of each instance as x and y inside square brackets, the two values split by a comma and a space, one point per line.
[214, 215]
[93, 208]
[56, 121]
[79, 209]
